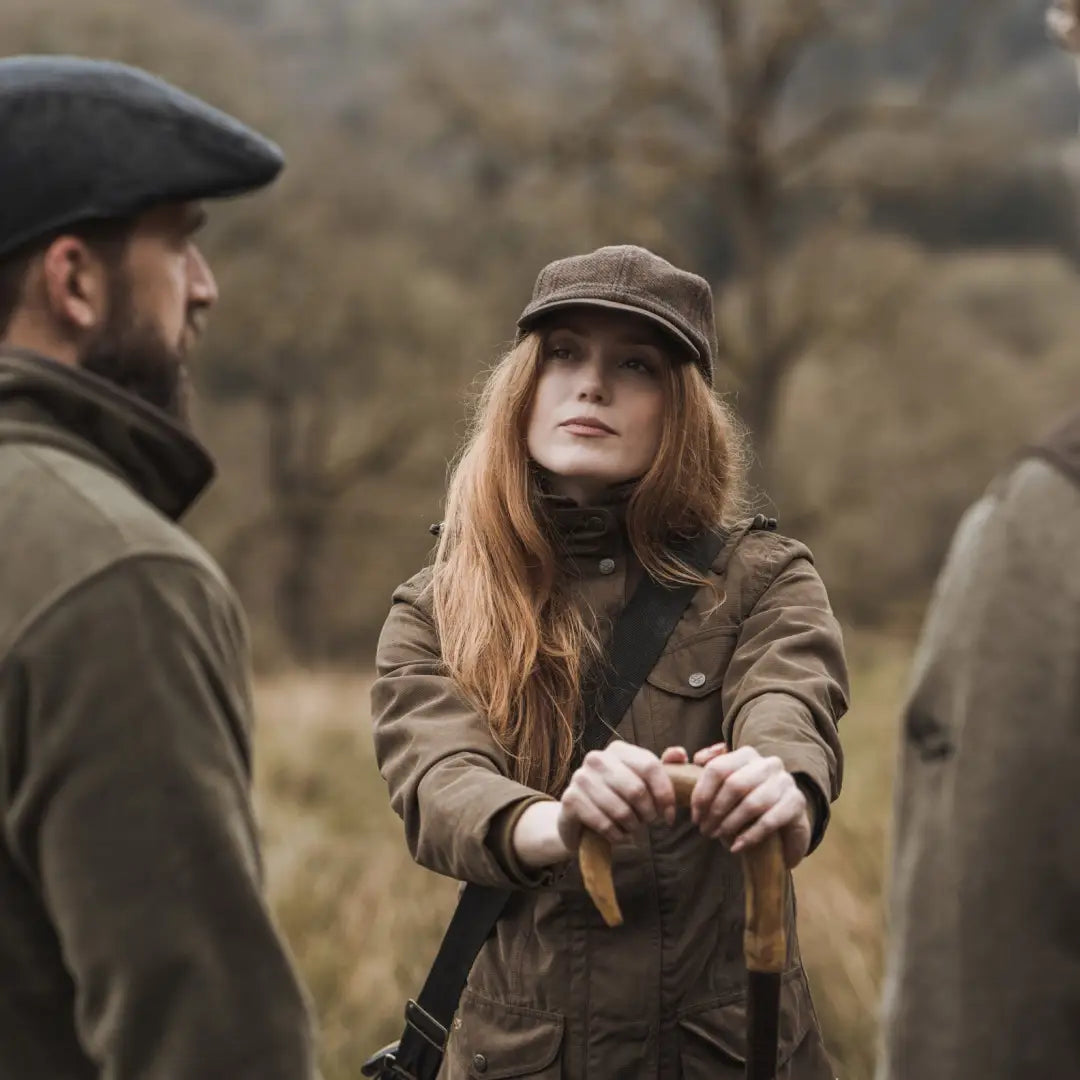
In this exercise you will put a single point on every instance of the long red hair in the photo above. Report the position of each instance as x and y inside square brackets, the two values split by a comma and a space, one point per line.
[512, 636]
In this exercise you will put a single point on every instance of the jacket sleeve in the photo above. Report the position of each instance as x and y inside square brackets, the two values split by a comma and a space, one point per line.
[131, 815]
[786, 686]
[446, 774]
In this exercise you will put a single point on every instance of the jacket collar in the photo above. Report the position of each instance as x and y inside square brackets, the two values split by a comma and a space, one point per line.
[45, 402]
[598, 529]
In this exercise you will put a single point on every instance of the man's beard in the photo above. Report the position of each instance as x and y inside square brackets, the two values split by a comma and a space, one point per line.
[132, 353]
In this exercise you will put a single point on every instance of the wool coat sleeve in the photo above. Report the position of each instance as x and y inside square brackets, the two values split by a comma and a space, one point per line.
[786, 687]
[127, 805]
[448, 777]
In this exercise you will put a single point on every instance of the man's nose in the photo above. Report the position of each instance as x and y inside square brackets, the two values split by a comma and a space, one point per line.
[202, 285]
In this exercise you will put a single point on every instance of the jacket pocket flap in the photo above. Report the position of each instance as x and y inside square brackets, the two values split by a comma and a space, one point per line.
[696, 667]
[499, 1040]
[714, 1031]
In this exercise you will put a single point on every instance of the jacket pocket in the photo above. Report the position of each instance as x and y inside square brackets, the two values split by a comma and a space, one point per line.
[696, 667]
[712, 1036]
[683, 692]
[490, 1040]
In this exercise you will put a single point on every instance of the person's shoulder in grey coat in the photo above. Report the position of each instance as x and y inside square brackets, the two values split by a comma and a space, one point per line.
[983, 974]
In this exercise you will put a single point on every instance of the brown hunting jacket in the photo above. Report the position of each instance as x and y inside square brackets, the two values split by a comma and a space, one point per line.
[983, 978]
[555, 993]
[135, 943]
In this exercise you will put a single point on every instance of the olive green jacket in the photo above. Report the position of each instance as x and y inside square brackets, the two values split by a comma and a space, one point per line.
[555, 993]
[983, 974]
[135, 943]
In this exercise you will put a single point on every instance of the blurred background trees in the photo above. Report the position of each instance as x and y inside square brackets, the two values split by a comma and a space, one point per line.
[881, 193]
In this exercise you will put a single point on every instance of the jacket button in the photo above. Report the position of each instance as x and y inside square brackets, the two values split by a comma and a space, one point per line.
[607, 566]
[479, 1063]
[596, 523]
[697, 679]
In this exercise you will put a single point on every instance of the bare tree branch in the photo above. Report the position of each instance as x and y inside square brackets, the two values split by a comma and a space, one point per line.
[728, 18]
[381, 455]
[805, 149]
[921, 108]
[784, 45]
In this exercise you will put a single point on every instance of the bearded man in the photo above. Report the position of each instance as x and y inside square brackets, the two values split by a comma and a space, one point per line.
[134, 938]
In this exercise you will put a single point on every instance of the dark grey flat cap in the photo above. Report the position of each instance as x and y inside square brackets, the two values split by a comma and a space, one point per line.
[85, 140]
[633, 279]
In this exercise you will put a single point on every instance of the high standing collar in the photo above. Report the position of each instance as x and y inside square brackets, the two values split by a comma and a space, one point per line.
[598, 529]
[45, 402]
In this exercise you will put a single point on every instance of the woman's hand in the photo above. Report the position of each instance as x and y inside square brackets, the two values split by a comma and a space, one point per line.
[616, 791]
[743, 797]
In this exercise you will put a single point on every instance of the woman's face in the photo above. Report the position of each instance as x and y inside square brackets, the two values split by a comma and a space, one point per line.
[598, 411]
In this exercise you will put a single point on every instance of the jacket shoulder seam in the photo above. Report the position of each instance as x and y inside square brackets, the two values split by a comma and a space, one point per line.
[769, 555]
[415, 591]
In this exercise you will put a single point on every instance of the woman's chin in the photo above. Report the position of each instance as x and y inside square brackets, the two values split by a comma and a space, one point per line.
[587, 468]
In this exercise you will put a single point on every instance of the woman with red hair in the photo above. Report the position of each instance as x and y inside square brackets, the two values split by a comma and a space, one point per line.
[598, 447]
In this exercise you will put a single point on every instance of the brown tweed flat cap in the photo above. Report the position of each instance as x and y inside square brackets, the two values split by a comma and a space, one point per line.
[633, 279]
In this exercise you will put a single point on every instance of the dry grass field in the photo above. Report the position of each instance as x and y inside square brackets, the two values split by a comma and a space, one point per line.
[363, 921]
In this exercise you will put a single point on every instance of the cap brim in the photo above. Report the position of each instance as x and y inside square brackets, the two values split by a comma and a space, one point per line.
[531, 317]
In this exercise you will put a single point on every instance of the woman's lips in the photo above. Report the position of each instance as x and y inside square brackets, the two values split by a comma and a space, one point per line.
[586, 426]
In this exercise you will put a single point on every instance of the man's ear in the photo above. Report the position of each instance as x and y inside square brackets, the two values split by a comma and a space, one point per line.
[76, 285]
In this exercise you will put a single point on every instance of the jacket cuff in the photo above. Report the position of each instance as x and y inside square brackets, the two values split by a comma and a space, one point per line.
[817, 806]
[807, 762]
[500, 842]
[775, 726]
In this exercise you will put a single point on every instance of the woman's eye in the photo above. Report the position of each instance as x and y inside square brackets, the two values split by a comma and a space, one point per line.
[635, 363]
[559, 352]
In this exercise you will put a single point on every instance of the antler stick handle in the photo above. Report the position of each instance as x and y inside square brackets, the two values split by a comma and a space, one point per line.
[764, 874]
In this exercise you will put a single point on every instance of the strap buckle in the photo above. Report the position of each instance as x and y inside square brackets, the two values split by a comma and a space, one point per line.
[384, 1065]
[425, 1025]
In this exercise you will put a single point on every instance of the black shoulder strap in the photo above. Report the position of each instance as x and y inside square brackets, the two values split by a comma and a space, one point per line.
[638, 638]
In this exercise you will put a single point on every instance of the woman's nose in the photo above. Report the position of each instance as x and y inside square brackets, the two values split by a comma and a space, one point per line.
[593, 387]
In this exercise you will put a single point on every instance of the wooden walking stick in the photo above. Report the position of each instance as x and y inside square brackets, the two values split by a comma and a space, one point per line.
[765, 880]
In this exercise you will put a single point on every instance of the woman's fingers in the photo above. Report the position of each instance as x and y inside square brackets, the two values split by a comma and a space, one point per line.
[602, 810]
[619, 789]
[706, 754]
[761, 799]
[742, 784]
[647, 767]
[674, 755]
[577, 821]
[742, 798]
[788, 817]
[712, 797]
